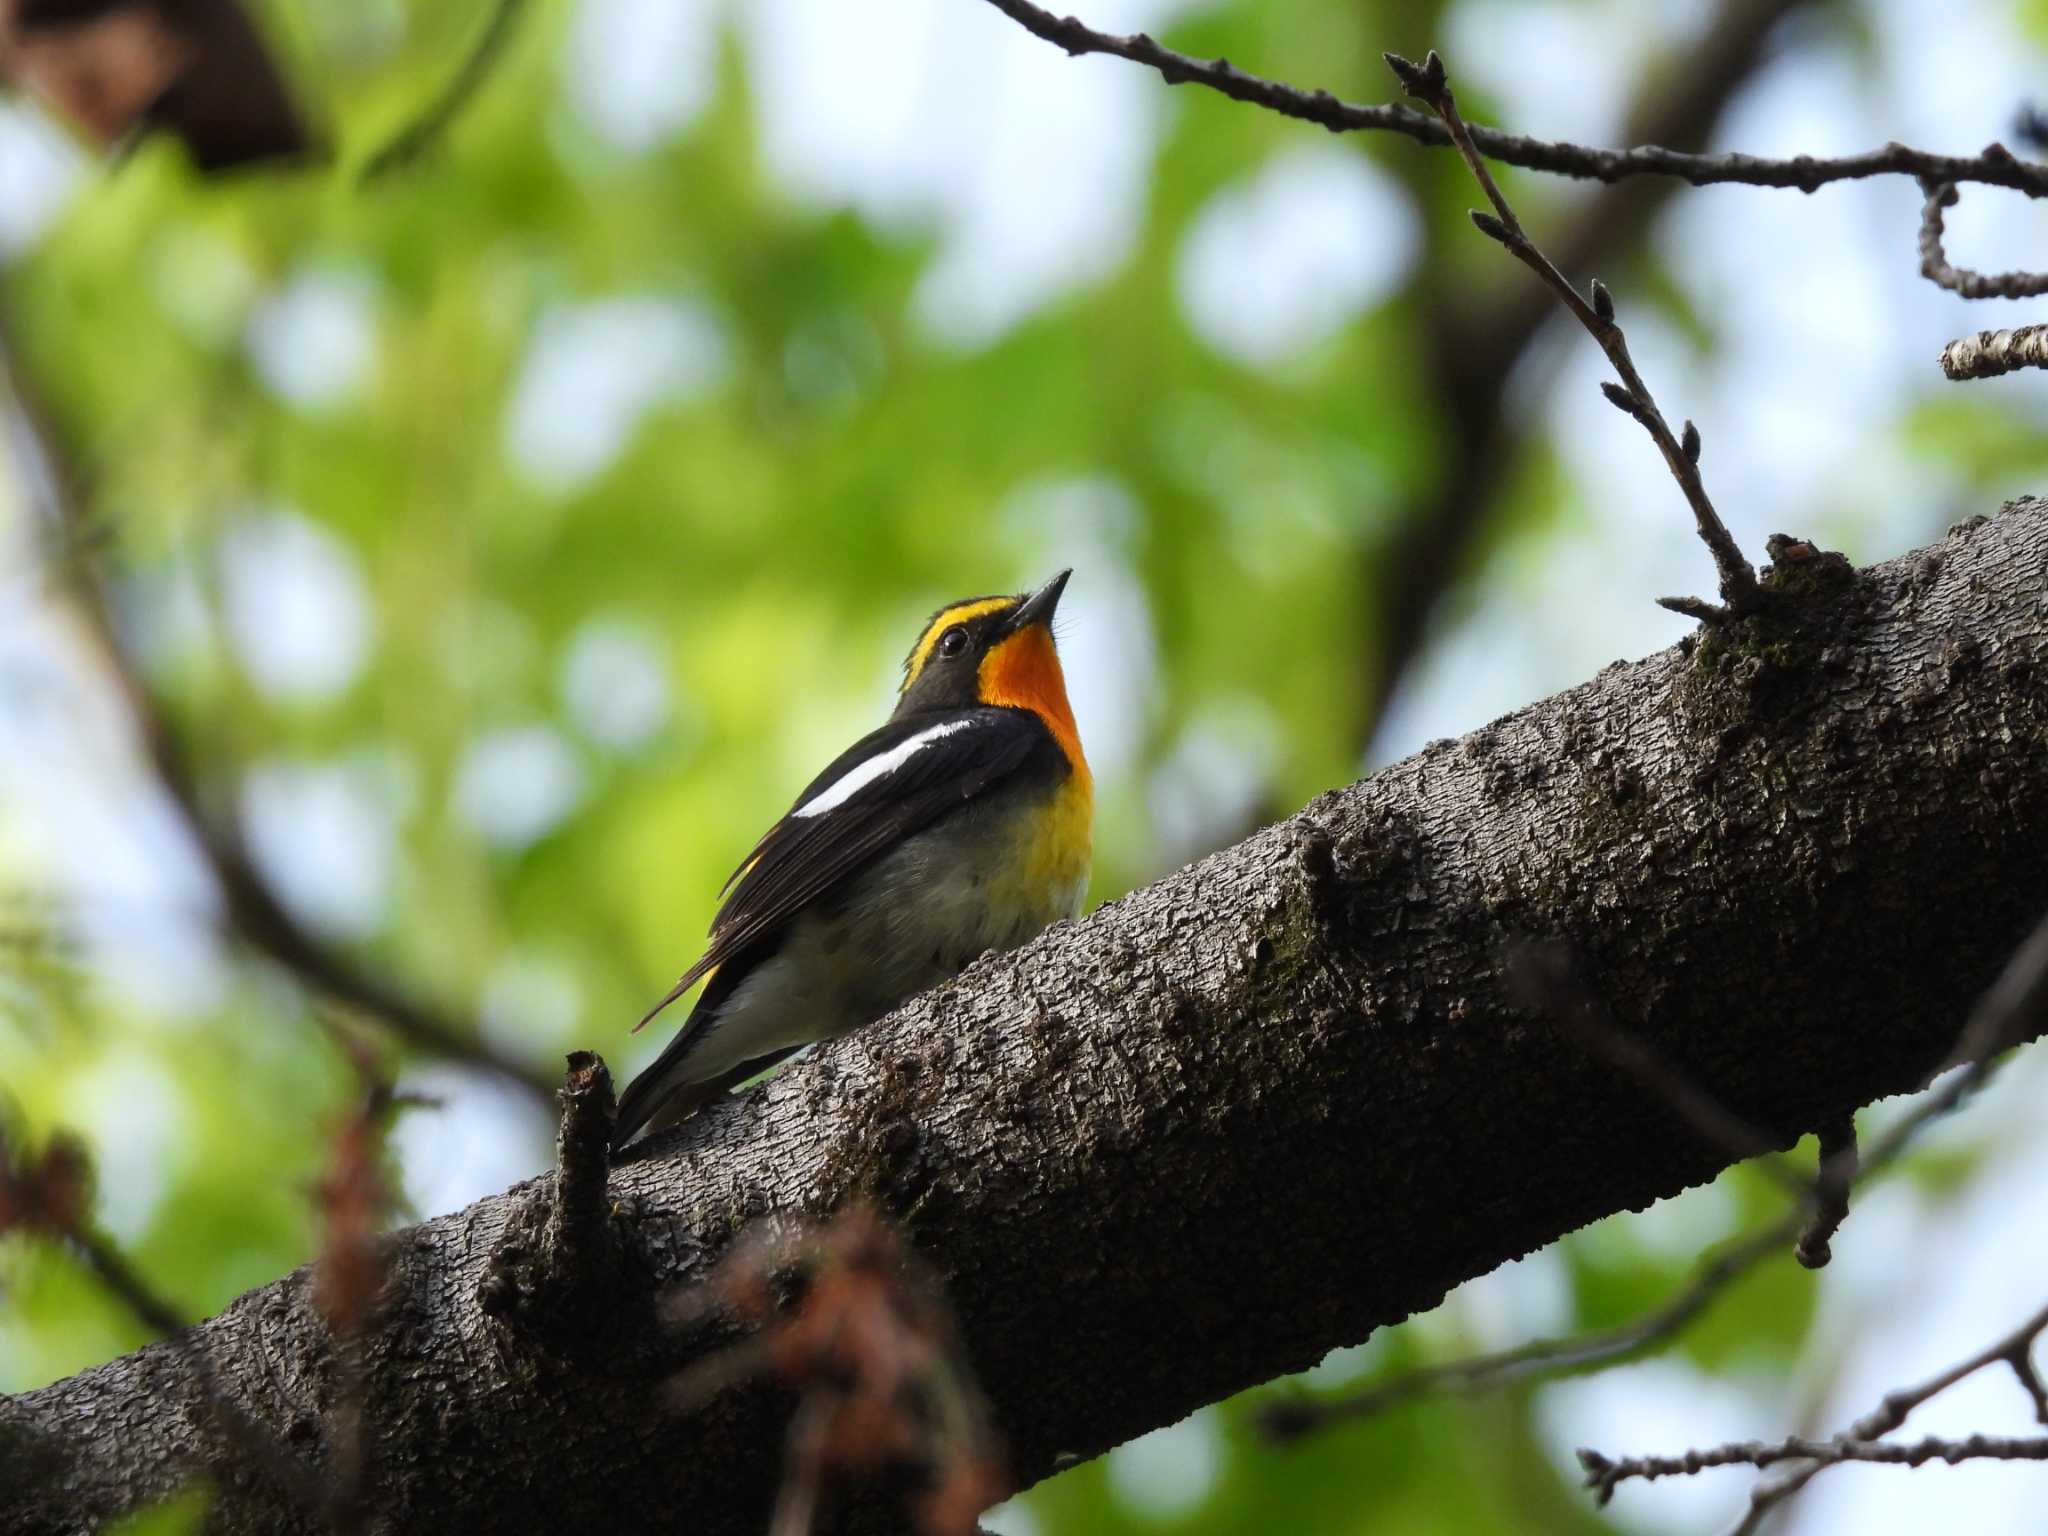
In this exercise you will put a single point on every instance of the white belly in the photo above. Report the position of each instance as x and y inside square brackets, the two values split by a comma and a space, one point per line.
[914, 919]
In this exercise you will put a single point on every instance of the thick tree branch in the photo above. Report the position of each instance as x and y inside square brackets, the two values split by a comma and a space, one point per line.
[1253, 1112]
[2015, 1006]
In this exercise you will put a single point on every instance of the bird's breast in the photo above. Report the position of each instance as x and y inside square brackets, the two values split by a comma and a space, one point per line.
[1047, 850]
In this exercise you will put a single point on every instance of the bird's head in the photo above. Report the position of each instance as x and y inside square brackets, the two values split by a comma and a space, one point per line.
[990, 650]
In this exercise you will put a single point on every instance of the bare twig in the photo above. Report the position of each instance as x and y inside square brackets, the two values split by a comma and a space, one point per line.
[1987, 354]
[1832, 1182]
[1428, 82]
[2010, 1011]
[1862, 1441]
[420, 135]
[1294, 1417]
[1936, 268]
[50, 1196]
[1603, 1475]
[123, 1281]
[1474, 342]
[1542, 977]
[2015, 1350]
[254, 912]
[1994, 166]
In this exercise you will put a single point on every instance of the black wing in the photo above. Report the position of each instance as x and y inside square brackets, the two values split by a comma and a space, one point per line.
[890, 784]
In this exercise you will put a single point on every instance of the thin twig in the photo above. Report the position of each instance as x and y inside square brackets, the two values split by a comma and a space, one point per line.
[124, 1282]
[1862, 1441]
[1936, 268]
[2012, 1009]
[1603, 1475]
[49, 1196]
[1995, 166]
[1474, 343]
[411, 142]
[1428, 82]
[1294, 1417]
[2014, 1349]
[254, 912]
[1832, 1182]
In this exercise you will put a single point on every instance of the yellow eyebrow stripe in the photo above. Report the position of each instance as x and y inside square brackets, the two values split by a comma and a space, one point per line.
[944, 620]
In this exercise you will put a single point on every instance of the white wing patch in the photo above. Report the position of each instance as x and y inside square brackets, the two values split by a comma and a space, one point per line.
[880, 766]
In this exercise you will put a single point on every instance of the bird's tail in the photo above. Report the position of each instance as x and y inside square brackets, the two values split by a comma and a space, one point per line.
[665, 1094]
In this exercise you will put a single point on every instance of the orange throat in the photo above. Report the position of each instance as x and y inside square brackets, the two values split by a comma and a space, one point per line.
[1023, 672]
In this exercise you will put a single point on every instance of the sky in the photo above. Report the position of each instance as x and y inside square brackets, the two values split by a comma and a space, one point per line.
[1029, 168]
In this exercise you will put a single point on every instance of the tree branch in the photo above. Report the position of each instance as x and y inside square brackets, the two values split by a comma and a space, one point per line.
[1293, 1070]
[1995, 166]
[1473, 343]
[1987, 354]
[410, 143]
[1428, 83]
[1292, 1418]
[1832, 1182]
[2015, 1007]
[254, 912]
[1961, 281]
[1862, 1441]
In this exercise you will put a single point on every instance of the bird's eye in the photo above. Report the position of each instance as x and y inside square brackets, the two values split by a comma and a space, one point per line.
[953, 642]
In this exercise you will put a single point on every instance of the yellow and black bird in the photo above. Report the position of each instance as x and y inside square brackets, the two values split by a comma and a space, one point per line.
[964, 824]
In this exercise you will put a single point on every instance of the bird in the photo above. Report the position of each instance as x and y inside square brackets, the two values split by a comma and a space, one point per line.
[963, 824]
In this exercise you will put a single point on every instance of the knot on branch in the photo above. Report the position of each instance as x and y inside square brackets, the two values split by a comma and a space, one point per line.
[1801, 568]
[560, 1253]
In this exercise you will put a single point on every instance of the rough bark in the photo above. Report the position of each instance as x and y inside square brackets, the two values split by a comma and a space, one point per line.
[1252, 1112]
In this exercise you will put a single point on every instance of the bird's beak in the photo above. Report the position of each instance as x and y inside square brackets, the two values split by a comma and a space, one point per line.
[1039, 606]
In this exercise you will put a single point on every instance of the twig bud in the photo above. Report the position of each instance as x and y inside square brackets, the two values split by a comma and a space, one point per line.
[1689, 443]
[1489, 226]
[1603, 301]
[1618, 397]
[1407, 71]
